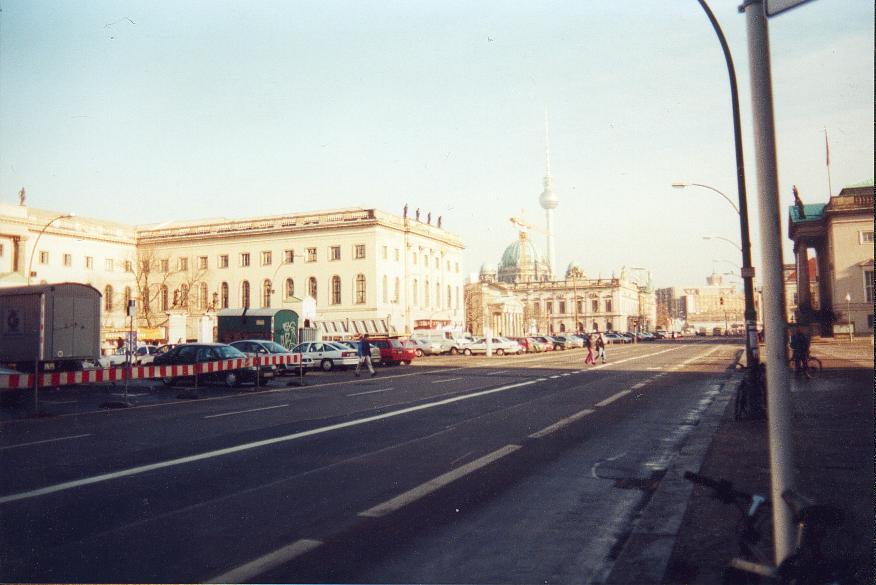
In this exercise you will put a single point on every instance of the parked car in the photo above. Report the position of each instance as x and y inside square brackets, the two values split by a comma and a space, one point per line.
[354, 345]
[393, 350]
[144, 354]
[556, 342]
[614, 337]
[197, 353]
[501, 346]
[452, 342]
[528, 344]
[568, 342]
[263, 347]
[119, 357]
[326, 355]
[547, 344]
[423, 347]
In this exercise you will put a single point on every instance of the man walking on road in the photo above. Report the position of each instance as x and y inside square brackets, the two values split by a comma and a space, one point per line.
[365, 355]
[600, 347]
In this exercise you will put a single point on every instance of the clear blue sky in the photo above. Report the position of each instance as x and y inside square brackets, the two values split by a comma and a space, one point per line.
[144, 112]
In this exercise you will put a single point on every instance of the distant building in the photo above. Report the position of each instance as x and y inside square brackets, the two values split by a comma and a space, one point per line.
[344, 272]
[840, 232]
[715, 306]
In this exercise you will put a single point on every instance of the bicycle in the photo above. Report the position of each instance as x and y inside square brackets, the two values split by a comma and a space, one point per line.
[807, 565]
[811, 366]
[751, 395]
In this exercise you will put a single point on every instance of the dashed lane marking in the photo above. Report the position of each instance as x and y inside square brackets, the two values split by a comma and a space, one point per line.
[265, 563]
[560, 424]
[612, 398]
[370, 392]
[44, 441]
[246, 411]
[435, 484]
[446, 380]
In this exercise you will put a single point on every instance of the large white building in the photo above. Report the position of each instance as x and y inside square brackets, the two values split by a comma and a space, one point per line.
[345, 271]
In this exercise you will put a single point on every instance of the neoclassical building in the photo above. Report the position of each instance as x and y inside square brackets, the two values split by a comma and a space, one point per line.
[345, 271]
[519, 298]
[703, 308]
[840, 233]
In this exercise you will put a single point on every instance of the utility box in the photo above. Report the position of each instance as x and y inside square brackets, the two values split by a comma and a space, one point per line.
[57, 325]
[279, 325]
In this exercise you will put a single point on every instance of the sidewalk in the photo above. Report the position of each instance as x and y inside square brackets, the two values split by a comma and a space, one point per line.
[833, 458]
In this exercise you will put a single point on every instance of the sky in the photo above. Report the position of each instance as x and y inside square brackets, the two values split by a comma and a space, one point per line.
[145, 112]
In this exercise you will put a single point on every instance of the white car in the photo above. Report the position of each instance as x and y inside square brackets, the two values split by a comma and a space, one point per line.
[118, 357]
[258, 347]
[501, 346]
[327, 354]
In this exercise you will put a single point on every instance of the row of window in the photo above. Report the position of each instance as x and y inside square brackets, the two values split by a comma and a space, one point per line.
[561, 306]
[109, 264]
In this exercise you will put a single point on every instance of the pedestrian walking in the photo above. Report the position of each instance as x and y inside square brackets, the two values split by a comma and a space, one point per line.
[365, 355]
[600, 347]
[588, 345]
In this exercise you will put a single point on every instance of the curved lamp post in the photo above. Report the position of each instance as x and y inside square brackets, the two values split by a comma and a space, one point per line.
[729, 241]
[42, 231]
[682, 185]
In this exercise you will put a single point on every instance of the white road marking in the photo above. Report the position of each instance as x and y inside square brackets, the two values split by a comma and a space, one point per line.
[267, 562]
[612, 398]
[640, 385]
[432, 485]
[131, 394]
[370, 392]
[598, 463]
[245, 411]
[497, 373]
[44, 441]
[247, 446]
[555, 377]
[446, 380]
[560, 424]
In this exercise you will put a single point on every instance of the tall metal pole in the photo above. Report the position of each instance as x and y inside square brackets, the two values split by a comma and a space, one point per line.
[747, 272]
[778, 376]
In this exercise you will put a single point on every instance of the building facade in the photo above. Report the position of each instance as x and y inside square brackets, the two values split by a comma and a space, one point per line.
[703, 309]
[344, 272]
[840, 232]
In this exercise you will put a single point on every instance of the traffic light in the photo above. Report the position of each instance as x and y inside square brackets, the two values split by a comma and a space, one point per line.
[722, 300]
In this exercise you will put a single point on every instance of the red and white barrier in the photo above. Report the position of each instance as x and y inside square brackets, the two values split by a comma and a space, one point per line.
[12, 381]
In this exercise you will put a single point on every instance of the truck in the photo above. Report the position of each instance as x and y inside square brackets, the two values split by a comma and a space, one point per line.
[54, 325]
[279, 325]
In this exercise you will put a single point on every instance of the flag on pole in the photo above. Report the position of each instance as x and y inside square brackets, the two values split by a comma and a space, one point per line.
[826, 148]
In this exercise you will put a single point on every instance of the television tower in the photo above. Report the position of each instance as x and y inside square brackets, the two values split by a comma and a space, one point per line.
[549, 201]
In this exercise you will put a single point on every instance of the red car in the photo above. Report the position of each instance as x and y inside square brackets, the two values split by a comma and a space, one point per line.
[393, 350]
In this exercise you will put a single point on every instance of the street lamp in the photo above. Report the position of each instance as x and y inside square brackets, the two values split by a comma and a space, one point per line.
[849, 316]
[682, 185]
[729, 241]
[42, 231]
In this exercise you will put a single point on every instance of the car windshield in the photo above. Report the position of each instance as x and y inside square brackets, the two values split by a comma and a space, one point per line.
[226, 352]
[334, 347]
[274, 347]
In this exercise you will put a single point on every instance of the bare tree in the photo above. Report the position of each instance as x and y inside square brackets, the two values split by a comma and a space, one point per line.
[162, 286]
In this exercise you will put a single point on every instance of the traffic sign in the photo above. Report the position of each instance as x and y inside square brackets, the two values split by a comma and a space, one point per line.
[774, 7]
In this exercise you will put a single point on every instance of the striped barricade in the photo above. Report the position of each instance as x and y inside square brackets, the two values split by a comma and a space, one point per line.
[117, 374]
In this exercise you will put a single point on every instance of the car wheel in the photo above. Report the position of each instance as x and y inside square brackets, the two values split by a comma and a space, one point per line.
[230, 379]
[169, 381]
[500, 351]
[466, 351]
[419, 353]
[401, 362]
[326, 365]
[454, 351]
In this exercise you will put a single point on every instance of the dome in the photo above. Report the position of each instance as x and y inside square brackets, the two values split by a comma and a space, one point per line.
[488, 268]
[575, 271]
[512, 255]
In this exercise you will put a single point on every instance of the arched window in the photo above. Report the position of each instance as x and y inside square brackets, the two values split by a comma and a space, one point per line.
[108, 298]
[127, 296]
[202, 296]
[244, 294]
[290, 288]
[311, 287]
[562, 327]
[360, 289]
[224, 295]
[163, 296]
[385, 291]
[414, 292]
[395, 290]
[449, 296]
[336, 290]
[426, 293]
[438, 295]
[266, 294]
[184, 295]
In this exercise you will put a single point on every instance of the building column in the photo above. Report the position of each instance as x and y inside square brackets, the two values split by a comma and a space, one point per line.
[825, 287]
[804, 295]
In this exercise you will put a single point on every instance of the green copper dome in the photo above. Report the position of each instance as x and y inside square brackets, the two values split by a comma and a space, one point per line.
[513, 253]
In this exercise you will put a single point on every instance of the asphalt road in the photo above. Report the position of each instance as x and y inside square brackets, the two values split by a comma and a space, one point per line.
[456, 469]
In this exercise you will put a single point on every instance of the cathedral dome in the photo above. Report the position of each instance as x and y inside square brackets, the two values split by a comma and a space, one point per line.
[518, 250]
[521, 262]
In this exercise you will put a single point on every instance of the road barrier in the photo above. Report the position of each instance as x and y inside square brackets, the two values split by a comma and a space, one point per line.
[13, 381]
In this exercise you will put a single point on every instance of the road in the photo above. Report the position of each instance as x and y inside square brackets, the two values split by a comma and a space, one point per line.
[455, 469]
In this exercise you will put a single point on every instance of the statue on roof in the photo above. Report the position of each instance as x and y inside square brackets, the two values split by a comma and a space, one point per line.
[22, 196]
[798, 203]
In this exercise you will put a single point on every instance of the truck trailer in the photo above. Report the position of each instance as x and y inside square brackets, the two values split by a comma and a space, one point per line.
[279, 325]
[55, 325]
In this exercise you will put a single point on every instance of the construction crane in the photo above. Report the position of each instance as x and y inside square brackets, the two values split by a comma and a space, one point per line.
[524, 226]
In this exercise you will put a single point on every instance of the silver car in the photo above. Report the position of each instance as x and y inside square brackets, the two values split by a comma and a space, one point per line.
[424, 347]
[260, 347]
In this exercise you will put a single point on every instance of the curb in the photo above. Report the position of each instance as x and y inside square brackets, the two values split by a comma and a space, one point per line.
[645, 553]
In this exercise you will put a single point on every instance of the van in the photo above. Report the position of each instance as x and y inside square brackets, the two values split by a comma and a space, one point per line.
[451, 341]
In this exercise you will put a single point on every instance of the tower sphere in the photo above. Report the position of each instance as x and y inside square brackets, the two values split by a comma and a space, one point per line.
[548, 199]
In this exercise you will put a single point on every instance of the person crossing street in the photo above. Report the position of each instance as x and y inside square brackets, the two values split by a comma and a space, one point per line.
[365, 356]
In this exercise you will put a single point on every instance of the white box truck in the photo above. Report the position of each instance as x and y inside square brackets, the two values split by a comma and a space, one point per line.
[57, 325]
